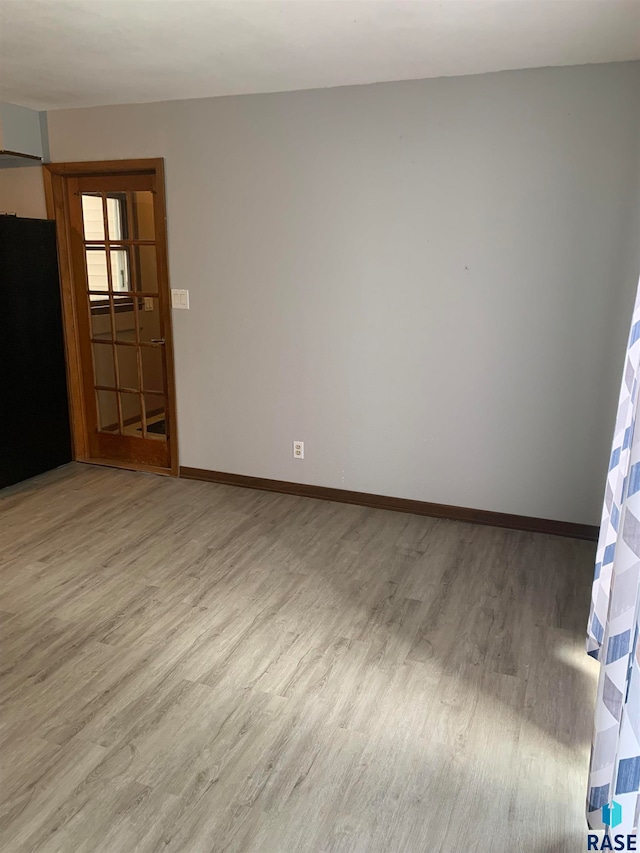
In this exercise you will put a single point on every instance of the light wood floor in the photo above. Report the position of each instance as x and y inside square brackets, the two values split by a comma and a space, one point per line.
[190, 667]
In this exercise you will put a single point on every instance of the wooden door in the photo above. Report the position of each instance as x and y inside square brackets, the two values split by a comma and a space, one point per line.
[122, 318]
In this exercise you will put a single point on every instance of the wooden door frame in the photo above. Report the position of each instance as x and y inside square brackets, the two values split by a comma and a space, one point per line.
[56, 190]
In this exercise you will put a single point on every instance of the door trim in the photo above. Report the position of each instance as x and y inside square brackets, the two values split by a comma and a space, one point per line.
[56, 177]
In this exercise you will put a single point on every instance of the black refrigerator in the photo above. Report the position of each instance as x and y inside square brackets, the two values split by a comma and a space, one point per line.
[34, 409]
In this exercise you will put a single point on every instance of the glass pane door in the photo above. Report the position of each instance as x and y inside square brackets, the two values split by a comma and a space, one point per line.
[123, 297]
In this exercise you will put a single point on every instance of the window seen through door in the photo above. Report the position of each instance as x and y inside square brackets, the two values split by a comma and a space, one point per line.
[93, 218]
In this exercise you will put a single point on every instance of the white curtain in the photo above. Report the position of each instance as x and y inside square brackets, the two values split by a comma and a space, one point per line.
[614, 780]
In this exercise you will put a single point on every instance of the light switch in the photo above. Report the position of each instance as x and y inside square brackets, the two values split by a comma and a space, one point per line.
[179, 298]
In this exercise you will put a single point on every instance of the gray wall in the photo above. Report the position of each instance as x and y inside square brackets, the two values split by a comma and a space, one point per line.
[429, 282]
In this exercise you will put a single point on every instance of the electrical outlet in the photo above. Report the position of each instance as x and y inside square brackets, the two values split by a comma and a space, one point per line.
[298, 449]
[148, 303]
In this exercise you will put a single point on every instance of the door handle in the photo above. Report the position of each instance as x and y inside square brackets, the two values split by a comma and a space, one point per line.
[158, 341]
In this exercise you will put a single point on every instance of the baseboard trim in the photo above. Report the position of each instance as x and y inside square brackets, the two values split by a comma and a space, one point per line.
[455, 513]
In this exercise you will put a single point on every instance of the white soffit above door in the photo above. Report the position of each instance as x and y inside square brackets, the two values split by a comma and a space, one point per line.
[72, 53]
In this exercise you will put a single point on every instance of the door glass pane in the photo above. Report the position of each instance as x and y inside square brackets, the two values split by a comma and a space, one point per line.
[149, 319]
[152, 372]
[101, 319]
[146, 268]
[103, 365]
[127, 367]
[120, 277]
[131, 413]
[92, 216]
[97, 276]
[156, 416]
[107, 411]
[143, 222]
[117, 216]
[125, 319]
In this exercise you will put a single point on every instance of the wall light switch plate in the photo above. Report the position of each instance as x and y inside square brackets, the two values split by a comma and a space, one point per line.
[179, 298]
[298, 449]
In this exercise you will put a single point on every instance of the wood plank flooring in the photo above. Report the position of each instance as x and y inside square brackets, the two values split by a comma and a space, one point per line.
[196, 668]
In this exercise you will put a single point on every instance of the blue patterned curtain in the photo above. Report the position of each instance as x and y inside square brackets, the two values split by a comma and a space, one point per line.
[613, 621]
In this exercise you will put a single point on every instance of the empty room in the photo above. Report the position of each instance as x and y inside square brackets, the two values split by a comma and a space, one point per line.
[319, 480]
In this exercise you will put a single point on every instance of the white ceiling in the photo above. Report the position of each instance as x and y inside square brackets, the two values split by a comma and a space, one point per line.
[71, 53]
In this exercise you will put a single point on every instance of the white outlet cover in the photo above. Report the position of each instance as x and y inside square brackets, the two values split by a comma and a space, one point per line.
[298, 449]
